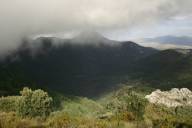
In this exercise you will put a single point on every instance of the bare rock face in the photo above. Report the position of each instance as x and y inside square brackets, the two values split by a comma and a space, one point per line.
[173, 98]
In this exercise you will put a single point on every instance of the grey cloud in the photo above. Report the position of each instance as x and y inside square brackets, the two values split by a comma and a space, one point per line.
[20, 18]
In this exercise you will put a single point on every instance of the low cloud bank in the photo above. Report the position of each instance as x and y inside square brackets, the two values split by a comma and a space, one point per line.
[21, 18]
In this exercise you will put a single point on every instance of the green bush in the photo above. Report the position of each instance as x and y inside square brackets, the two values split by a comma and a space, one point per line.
[34, 103]
[8, 104]
[12, 120]
[162, 116]
[128, 105]
[136, 105]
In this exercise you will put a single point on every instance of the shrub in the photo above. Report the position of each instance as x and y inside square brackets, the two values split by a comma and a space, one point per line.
[34, 103]
[128, 105]
[64, 120]
[162, 116]
[12, 120]
[7, 104]
[136, 105]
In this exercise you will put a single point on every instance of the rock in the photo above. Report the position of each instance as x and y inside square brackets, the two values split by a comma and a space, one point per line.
[173, 98]
[107, 115]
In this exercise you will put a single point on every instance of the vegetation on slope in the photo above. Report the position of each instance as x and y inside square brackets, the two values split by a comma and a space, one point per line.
[123, 108]
[166, 69]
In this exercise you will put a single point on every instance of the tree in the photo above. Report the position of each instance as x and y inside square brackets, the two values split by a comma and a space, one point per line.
[34, 103]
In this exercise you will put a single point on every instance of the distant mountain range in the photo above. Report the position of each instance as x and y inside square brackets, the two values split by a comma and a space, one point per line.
[174, 40]
[89, 63]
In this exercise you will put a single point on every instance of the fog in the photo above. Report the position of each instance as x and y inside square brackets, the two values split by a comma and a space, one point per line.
[25, 18]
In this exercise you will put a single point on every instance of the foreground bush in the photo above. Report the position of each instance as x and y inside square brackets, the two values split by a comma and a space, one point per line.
[165, 117]
[128, 105]
[64, 120]
[34, 103]
[12, 120]
[8, 104]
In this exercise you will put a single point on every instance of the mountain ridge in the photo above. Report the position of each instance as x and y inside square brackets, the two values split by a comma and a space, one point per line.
[70, 65]
[74, 67]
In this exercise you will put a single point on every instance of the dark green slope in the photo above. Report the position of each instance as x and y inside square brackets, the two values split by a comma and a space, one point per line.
[73, 66]
[12, 80]
[88, 69]
[168, 68]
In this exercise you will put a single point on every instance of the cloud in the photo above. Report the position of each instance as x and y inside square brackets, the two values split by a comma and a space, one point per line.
[20, 18]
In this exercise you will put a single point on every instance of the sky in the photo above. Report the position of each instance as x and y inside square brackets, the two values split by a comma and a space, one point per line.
[176, 25]
[116, 19]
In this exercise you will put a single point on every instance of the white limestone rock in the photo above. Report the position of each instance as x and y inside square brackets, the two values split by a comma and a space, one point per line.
[173, 98]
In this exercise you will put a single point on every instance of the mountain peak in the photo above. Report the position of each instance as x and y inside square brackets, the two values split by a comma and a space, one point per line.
[90, 36]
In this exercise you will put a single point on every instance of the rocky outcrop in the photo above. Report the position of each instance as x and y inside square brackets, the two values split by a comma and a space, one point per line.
[173, 98]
